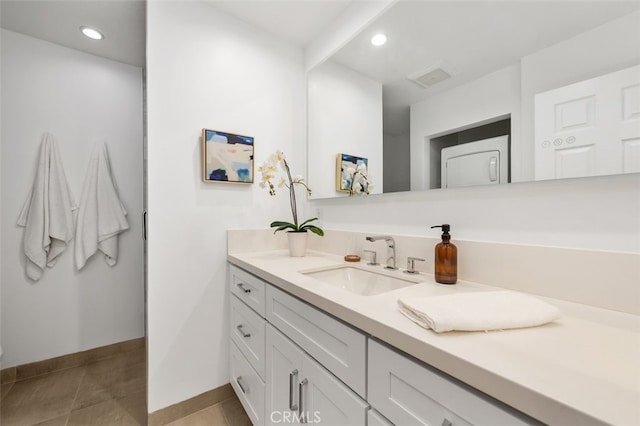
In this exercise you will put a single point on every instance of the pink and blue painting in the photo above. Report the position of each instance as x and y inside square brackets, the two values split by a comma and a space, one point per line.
[227, 157]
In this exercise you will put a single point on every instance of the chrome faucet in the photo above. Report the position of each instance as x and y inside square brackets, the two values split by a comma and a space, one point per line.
[391, 244]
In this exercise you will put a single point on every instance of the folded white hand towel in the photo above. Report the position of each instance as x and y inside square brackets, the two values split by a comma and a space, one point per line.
[101, 216]
[478, 311]
[47, 214]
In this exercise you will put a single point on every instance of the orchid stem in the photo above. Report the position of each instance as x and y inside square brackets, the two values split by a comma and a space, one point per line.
[292, 194]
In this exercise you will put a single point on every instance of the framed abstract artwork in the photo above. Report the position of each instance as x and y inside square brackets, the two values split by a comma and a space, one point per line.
[226, 157]
[350, 170]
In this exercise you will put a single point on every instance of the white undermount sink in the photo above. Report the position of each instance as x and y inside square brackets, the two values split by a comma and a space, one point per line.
[361, 281]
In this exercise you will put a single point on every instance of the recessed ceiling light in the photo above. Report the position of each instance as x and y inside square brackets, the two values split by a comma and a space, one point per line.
[92, 33]
[378, 39]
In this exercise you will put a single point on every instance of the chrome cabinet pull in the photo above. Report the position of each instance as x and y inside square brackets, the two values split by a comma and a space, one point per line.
[144, 225]
[239, 382]
[245, 335]
[493, 175]
[241, 287]
[300, 400]
[293, 374]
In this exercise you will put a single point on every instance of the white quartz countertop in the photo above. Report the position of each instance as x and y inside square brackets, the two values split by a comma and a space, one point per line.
[581, 369]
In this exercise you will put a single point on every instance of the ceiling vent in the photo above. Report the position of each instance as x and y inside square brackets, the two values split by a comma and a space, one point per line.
[430, 76]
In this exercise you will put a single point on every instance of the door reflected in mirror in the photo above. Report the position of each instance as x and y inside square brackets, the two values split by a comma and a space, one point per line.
[535, 70]
[589, 128]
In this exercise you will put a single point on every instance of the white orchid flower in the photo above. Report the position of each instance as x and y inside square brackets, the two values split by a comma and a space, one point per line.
[350, 171]
[276, 166]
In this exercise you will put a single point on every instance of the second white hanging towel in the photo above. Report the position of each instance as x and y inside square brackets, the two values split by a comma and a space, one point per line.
[101, 215]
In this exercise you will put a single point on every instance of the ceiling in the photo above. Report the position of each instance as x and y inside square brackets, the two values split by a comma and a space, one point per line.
[468, 39]
[123, 22]
[295, 21]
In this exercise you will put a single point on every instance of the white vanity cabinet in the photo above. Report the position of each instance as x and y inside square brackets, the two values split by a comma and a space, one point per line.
[338, 347]
[299, 390]
[292, 363]
[299, 365]
[247, 384]
[408, 392]
[248, 288]
[247, 335]
[374, 418]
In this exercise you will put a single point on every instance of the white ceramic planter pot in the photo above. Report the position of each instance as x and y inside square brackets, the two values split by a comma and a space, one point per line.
[297, 243]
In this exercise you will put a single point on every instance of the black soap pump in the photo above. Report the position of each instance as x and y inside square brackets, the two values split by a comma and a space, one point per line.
[446, 258]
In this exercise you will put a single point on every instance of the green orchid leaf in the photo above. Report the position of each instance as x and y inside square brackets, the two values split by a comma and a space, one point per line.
[315, 230]
[281, 226]
[281, 223]
[307, 221]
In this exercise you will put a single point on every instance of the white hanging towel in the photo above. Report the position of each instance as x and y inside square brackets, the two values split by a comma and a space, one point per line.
[478, 311]
[101, 216]
[47, 214]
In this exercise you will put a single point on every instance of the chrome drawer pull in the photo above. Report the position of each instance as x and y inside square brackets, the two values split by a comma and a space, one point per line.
[300, 400]
[446, 422]
[239, 382]
[245, 335]
[241, 287]
[293, 374]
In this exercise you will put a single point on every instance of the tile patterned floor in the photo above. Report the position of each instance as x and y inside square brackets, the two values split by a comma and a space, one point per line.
[225, 413]
[109, 392]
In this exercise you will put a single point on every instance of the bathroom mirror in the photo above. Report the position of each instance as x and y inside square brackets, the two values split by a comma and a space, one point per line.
[533, 81]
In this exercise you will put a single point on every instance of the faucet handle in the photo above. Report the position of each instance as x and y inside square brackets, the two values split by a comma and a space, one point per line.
[373, 258]
[411, 267]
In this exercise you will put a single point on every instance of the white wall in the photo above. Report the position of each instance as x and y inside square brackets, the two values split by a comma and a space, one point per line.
[592, 213]
[599, 213]
[396, 152]
[82, 99]
[494, 95]
[605, 49]
[207, 69]
[344, 116]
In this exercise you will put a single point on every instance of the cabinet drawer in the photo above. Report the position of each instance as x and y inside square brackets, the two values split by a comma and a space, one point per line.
[247, 385]
[411, 393]
[338, 347]
[248, 288]
[376, 419]
[248, 333]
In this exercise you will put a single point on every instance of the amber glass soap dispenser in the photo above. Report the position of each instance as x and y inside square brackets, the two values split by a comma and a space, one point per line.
[446, 258]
